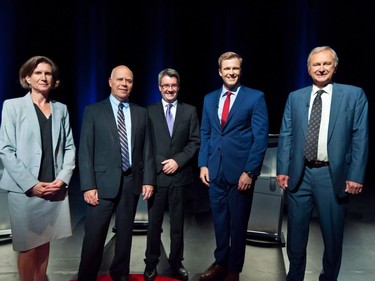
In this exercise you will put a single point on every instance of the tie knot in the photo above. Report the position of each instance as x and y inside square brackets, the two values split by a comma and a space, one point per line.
[121, 105]
[228, 94]
[169, 106]
[320, 92]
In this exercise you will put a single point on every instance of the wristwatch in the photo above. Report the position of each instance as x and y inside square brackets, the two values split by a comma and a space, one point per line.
[250, 174]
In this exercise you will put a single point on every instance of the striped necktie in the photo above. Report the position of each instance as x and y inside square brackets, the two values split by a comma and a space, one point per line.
[125, 164]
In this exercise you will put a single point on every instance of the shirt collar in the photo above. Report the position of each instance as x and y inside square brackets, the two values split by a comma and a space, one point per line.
[327, 89]
[166, 103]
[233, 91]
[116, 102]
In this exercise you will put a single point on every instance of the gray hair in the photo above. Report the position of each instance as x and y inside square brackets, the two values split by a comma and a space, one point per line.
[169, 72]
[323, 48]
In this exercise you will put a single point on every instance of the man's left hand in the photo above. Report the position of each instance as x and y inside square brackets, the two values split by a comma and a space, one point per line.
[147, 191]
[353, 187]
[244, 183]
[170, 166]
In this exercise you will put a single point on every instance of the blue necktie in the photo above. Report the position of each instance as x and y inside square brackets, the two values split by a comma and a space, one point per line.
[125, 164]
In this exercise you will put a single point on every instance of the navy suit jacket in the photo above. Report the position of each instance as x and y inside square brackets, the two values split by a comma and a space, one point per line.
[239, 146]
[347, 136]
[181, 147]
[100, 153]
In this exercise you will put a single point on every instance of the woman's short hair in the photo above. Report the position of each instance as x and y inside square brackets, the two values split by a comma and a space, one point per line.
[28, 67]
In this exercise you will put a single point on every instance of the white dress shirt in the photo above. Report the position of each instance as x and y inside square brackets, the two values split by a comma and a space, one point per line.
[223, 96]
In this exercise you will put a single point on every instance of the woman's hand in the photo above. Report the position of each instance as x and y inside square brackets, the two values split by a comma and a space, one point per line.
[42, 189]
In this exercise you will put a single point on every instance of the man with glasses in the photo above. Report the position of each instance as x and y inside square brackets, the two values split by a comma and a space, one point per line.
[175, 138]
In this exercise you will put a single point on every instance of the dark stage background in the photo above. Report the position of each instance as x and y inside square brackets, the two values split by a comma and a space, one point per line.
[88, 38]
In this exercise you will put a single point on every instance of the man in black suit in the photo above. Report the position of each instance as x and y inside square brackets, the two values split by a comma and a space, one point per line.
[175, 138]
[106, 183]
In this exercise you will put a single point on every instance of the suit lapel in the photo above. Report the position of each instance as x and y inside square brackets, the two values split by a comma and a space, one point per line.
[109, 119]
[214, 108]
[178, 117]
[337, 96]
[236, 105]
[56, 117]
[161, 116]
[134, 124]
[32, 118]
[305, 109]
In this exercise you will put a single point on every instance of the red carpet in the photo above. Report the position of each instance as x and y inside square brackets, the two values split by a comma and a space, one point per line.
[134, 277]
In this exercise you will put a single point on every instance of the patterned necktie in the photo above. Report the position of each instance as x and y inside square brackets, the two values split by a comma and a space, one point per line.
[312, 137]
[169, 117]
[125, 164]
[225, 112]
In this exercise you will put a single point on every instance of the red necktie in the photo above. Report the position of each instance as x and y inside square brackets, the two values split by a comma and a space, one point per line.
[225, 113]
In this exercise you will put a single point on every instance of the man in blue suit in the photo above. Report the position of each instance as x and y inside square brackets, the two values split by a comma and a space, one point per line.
[234, 138]
[337, 168]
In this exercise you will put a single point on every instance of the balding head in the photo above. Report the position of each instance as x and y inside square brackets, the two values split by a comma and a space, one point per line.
[121, 82]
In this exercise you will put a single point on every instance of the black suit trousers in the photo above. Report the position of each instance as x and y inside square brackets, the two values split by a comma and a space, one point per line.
[96, 228]
[173, 197]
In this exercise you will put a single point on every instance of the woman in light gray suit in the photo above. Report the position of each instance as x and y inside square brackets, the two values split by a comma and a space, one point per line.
[38, 154]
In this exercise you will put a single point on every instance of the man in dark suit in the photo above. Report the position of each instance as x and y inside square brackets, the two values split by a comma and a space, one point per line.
[234, 135]
[321, 173]
[109, 179]
[175, 138]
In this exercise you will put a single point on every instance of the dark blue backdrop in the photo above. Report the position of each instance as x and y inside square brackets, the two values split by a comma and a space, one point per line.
[88, 38]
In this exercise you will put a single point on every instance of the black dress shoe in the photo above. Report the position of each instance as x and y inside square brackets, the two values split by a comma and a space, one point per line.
[150, 273]
[180, 271]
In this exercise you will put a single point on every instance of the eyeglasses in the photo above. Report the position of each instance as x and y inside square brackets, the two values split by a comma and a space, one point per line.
[166, 87]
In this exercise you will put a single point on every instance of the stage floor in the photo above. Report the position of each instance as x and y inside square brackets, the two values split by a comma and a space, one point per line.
[261, 264]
